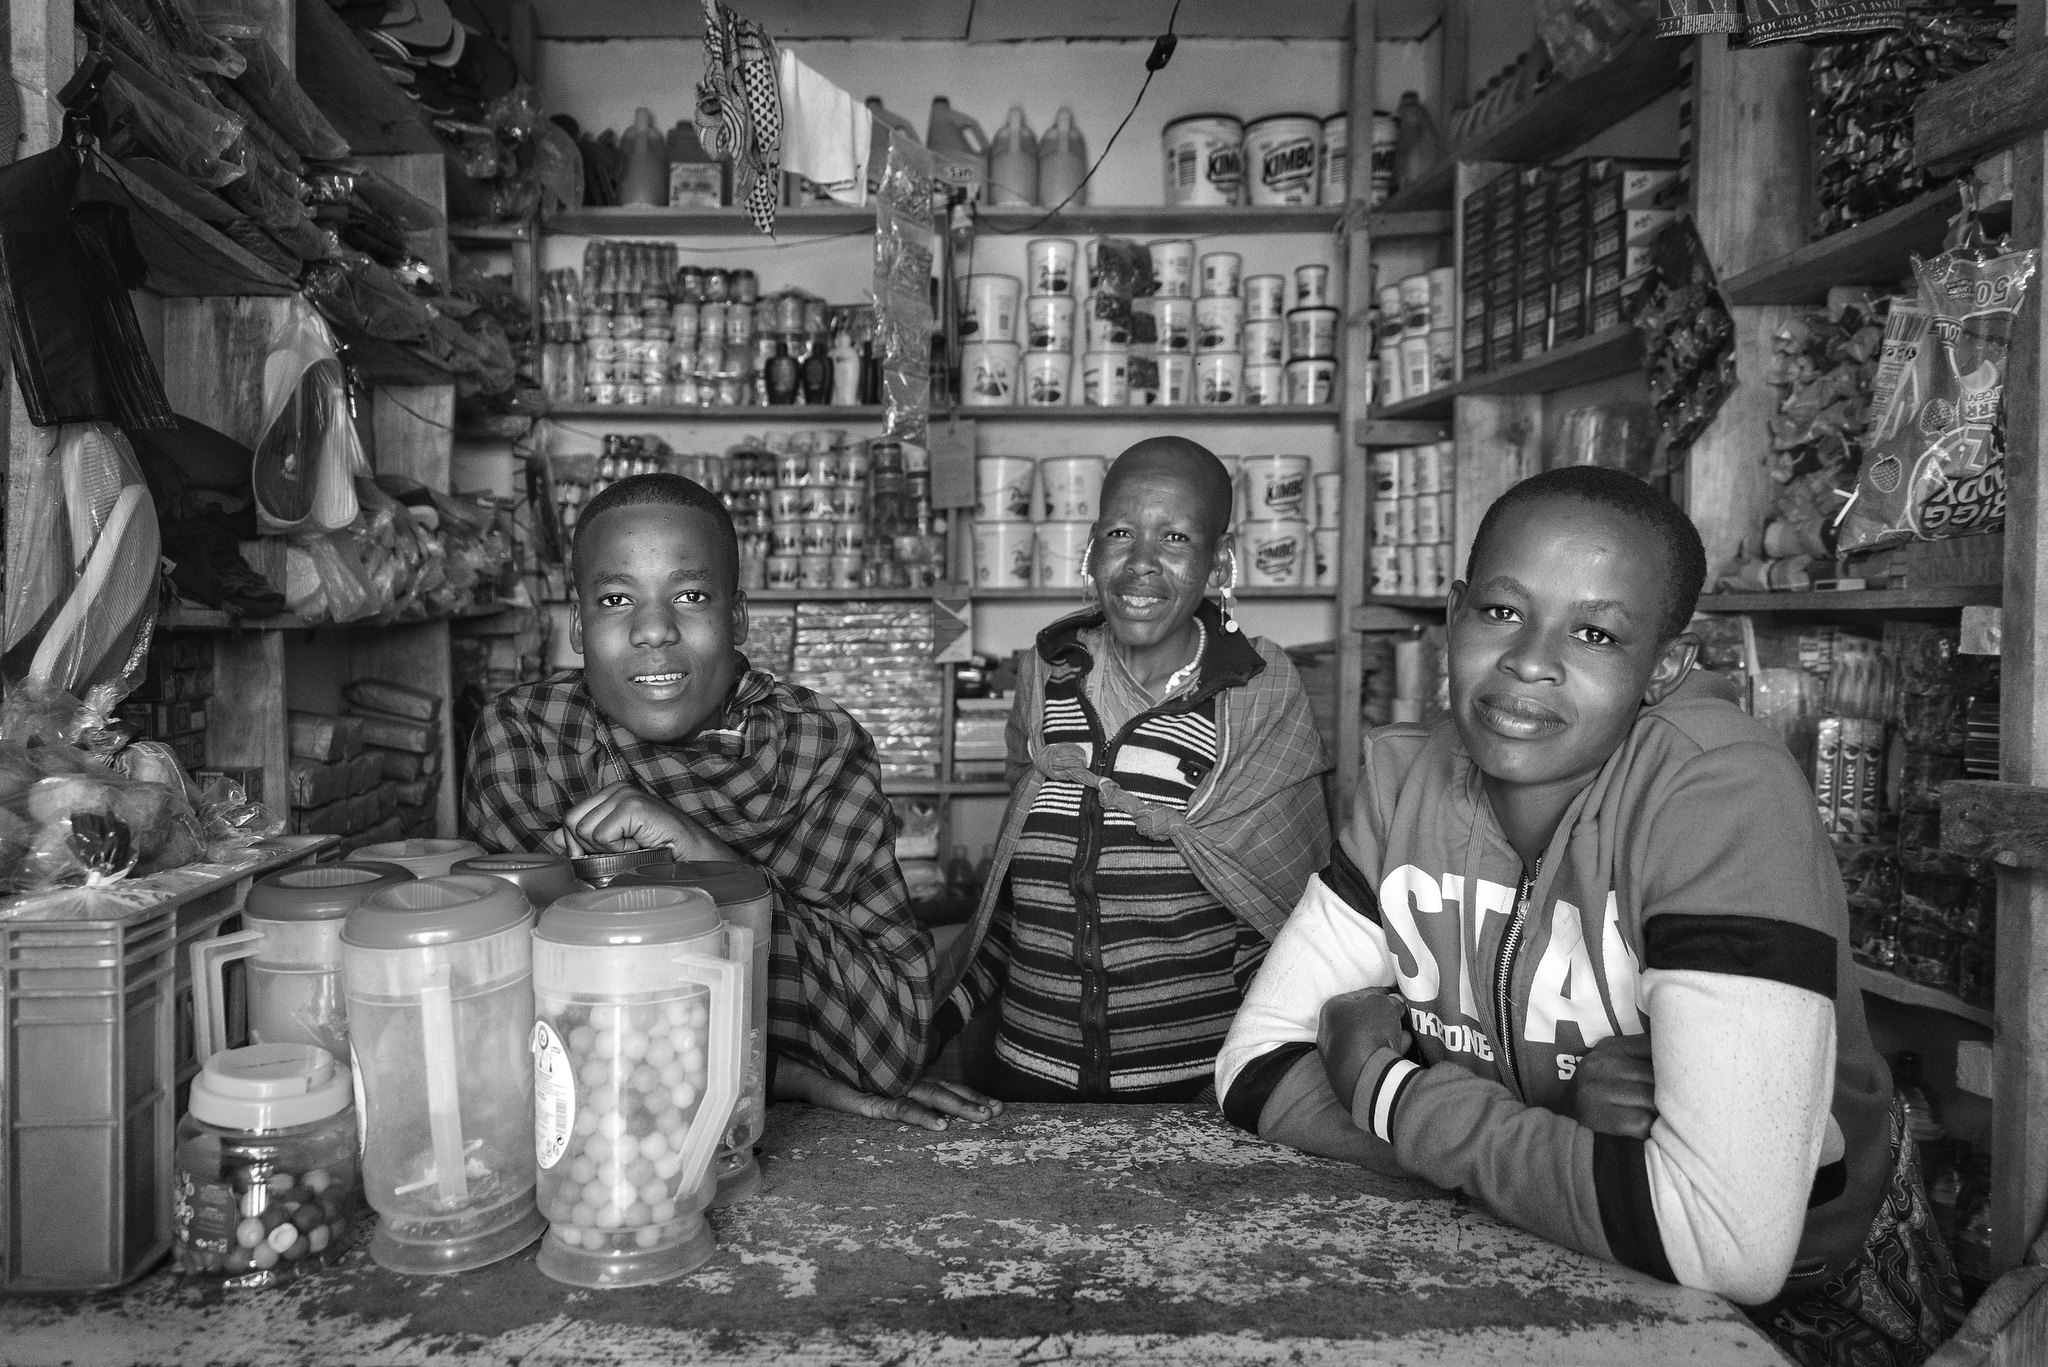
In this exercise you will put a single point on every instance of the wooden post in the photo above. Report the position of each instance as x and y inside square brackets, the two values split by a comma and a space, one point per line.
[2019, 1144]
[1357, 395]
[1752, 188]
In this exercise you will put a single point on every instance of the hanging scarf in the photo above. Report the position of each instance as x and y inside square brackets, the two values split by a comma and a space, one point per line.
[739, 109]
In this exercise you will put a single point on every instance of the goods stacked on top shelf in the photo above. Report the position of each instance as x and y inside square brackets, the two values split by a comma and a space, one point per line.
[1414, 493]
[875, 660]
[1548, 249]
[1218, 159]
[638, 327]
[814, 509]
[372, 774]
[1415, 336]
[1143, 335]
[1032, 519]
[1863, 92]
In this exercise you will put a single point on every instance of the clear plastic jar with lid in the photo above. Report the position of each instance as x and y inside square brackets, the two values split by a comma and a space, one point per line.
[266, 1165]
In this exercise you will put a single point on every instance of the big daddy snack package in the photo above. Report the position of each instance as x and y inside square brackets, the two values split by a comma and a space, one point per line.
[1934, 462]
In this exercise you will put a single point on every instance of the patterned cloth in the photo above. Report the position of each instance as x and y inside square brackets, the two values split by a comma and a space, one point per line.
[1896, 1303]
[1254, 828]
[791, 783]
[739, 108]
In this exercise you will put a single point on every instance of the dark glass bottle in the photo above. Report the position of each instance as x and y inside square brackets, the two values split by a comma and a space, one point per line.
[781, 375]
[817, 372]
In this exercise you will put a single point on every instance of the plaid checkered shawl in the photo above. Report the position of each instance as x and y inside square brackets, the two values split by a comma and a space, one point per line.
[790, 782]
[1256, 828]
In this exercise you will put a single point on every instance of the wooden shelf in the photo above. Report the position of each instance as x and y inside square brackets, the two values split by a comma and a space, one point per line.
[620, 412]
[1555, 119]
[641, 220]
[363, 104]
[1879, 983]
[1612, 352]
[842, 595]
[185, 618]
[1937, 597]
[187, 258]
[1183, 219]
[490, 232]
[1065, 595]
[1388, 613]
[1877, 252]
[1413, 223]
[1376, 432]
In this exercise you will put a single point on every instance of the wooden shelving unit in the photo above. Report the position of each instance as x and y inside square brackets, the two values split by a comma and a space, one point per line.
[1612, 352]
[619, 412]
[1306, 594]
[1876, 252]
[1881, 602]
[1155, 413]
[1876, 982]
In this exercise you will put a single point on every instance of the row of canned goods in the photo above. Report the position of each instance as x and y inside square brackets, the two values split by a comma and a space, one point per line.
[1411, 571]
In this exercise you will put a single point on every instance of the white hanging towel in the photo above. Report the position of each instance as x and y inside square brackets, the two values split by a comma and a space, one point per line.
[825, 132]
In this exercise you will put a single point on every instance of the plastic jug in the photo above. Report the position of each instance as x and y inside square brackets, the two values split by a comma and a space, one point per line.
[637, 1051]
[744, 900]
[439, 976]
[1062, 162]
[644, 152]
[293, 944]
[426, 858]
[958, 145]
[542, 878]
[694, 179]
[1417, 149]
[1013, 163]
[885, 122]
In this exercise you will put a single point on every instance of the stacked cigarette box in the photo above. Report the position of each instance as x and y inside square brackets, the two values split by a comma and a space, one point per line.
[1413, 492]
[875, 660]
[1547, 251]
[402, 730]
[371, 774]
[170, 704]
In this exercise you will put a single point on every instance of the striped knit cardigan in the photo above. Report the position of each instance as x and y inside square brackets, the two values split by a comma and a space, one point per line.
[1138, 877]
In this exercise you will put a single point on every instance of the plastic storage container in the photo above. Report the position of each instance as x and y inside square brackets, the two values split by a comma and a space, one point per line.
[293, 945]
[744, 900]
[266, 1179]
[425, 858]
[636, 1058]
[541, 877]
[85, 1099]
[440, 1001]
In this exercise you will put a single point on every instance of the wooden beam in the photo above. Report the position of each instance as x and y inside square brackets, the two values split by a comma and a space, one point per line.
[2003, 822]
[1499, 443]
[1356, 397]
[1980, 111]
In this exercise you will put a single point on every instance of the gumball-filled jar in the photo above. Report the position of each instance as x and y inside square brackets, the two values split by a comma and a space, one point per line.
[266, 1166]
[637, 1050]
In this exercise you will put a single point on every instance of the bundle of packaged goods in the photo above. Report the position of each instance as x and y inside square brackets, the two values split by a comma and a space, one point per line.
[1548, 251]
[983, 689]
[814, 509]
[640, 328]
[1414, 499]
[169, 703]
[1032, 520]
[372, 774]
[1218, 159]
[1143, 334]
[875, 660]
[1864, 87]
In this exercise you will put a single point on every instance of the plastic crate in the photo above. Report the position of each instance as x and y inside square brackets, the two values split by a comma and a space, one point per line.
[86, 1082]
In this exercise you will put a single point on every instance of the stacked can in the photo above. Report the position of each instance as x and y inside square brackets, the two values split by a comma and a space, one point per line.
[1049, 307]
[988, 340]
[1311, 338]
[1005, 546]
[1413, 495]
[1418, 320]
[1170, 377]
[1273, 545]
[1219, 330]
[1103, 326]
[1327, 538]
[1215, 159]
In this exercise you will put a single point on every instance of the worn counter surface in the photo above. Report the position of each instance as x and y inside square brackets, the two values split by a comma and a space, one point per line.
[1098, 1234]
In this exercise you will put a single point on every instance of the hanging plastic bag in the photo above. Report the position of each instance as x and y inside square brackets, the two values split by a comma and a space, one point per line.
[79, 616]
[309, 454]
[1937, 469]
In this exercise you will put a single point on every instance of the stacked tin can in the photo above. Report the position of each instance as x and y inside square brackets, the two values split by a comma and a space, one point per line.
[1413, 493]
[1215, 159]
[845, 514]
[1417, 336]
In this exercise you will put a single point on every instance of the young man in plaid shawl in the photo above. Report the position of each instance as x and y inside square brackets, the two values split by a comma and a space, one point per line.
[666, 738]
[1168, 810]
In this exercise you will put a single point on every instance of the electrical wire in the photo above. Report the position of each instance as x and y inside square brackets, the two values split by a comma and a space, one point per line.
[1162, 50]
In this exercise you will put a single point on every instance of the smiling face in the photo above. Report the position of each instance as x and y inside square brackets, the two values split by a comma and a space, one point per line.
[1554, 644]
[1155, 550]
[657, 618]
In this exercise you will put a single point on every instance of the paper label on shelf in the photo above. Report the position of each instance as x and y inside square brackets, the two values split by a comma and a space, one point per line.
[952, 454]
[554, 1096]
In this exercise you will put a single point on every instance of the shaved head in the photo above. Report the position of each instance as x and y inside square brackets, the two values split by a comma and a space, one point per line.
[1190, 464]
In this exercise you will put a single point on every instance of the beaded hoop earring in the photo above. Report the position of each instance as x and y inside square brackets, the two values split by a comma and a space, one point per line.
[1230, 593]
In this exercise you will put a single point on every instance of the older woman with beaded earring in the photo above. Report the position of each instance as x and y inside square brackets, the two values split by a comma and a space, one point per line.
[1166, 811]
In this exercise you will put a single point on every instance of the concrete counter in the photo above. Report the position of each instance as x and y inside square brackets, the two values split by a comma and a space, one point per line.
[1097, 1234]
